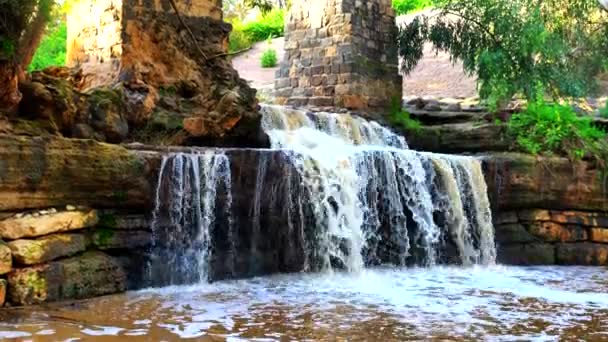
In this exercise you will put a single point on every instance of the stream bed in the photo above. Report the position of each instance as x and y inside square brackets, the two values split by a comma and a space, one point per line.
[382, 304]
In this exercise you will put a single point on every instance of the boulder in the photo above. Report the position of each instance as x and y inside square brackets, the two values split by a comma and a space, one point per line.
[90, 274]
[105, 239]
[31, 252]
[584, 253]
[6, 259]
[31, 226]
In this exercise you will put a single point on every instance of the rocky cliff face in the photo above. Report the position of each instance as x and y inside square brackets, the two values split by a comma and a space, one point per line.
[140, 71]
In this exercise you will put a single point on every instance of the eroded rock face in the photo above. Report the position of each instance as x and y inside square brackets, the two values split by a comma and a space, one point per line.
[46, 172]
[163, 65]
[31, 252]
[518, 181]
[33, 226]
[91, 274]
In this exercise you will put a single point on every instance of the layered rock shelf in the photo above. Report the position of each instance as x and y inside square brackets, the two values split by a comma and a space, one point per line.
[549, 237]
[75, 215]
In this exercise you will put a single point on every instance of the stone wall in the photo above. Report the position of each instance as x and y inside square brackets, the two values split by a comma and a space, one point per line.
[70, 253]
[549, 237]
[94, 39]
[340, 53]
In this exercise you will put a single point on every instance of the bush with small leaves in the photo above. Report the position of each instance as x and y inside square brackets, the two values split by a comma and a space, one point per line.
[269, 58]
[557, 129]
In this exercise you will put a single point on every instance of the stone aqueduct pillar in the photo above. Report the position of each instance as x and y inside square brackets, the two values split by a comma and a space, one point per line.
[340, 53]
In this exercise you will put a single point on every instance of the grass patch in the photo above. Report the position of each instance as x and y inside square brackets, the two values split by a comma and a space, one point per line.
[402, 119]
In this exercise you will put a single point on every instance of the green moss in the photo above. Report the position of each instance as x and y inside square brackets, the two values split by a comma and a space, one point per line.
[36, 283]
[31, 127]
[120, 196]
[165, 120]
[103, 237]
[100, 95]
[170, 90]
[107, 221]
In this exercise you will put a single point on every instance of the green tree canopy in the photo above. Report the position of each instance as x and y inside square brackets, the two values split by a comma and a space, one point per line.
[532, 47]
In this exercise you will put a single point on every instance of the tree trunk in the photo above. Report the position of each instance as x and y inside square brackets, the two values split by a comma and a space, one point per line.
[9, 87]
[31, 40]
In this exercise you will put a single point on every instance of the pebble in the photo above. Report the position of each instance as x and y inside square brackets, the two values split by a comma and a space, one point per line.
[70, 207]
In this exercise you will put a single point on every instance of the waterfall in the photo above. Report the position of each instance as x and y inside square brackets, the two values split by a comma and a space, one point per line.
[186, 211]
[334, 192]
[375, 201]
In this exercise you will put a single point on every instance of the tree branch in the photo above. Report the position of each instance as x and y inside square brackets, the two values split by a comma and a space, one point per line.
[183, 23]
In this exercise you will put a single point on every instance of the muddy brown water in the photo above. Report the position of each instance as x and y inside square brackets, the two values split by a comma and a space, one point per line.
[385, 304]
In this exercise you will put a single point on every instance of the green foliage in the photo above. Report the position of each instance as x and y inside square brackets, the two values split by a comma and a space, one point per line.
[269, 58]
[16, 17]
[52, 49]
[604, 111]
[268, 25]
[238, 41]
[408, 6]
[402, 119]
[535, 48]
[556, 129]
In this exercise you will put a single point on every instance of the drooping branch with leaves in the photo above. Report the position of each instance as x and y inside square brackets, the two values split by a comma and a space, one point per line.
[534, 48]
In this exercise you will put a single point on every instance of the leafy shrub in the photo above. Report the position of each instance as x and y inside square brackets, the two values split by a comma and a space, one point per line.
[555, 128]
[269, 58]
[408, 6]
[52, 49]
[402, 119]
[269, 25]
[238, 40]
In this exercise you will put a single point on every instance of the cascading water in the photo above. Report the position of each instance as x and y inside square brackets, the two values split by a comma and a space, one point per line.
[376, 201]
[353, 195]
[186, 209]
